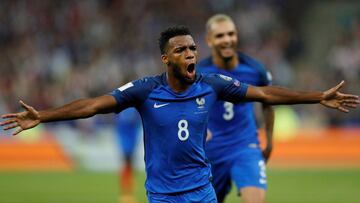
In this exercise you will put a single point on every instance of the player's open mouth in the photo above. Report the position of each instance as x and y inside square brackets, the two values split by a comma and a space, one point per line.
[191, 68]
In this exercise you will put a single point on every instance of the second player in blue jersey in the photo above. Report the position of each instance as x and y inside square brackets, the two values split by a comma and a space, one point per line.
[234, 150]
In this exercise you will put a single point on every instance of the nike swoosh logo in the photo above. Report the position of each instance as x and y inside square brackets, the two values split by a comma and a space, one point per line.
[160, 105]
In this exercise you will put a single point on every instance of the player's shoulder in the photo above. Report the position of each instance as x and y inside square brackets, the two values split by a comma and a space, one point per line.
[206, 62]
[227, 88]
[265, 75]
[142, 86]
[135, 92]
[250, 61]
[207, 66]
[150, 81]
[215, 79]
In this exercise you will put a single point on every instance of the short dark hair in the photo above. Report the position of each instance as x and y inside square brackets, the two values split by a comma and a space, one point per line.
[169, 33]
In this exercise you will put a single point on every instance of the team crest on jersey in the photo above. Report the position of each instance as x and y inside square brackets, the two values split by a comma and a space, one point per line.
[227, 78]
[200, 102]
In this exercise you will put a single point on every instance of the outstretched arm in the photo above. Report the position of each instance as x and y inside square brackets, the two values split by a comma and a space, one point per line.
[331, 98]
[82, 108]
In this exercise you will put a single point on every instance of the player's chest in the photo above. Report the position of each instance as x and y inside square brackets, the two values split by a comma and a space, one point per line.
[163, 112]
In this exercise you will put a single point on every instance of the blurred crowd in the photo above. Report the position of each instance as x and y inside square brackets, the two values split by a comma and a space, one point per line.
[53, 52]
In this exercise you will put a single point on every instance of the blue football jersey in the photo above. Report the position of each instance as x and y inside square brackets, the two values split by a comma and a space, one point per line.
[128, 129]
[233, 126]
[175, 126]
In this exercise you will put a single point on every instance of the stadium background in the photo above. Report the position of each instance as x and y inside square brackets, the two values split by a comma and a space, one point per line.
[55, 51]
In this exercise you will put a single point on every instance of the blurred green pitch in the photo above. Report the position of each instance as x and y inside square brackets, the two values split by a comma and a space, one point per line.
[285, 186]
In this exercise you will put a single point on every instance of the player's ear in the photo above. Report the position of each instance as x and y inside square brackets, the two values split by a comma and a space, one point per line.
[164, 59]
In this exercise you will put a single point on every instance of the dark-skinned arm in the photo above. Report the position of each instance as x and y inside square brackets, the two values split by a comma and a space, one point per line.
[331, 98]
[82, 108]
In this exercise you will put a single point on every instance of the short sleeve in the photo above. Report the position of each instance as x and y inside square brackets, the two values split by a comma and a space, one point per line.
[132, 94]
[266, 78]
[227, 88]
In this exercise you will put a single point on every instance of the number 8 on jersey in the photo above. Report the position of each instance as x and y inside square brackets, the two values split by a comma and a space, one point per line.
[183, 129]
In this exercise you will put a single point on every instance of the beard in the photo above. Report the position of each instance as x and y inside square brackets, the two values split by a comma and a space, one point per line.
[178, 74]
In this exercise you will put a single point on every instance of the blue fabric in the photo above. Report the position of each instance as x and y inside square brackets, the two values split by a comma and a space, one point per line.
[175, 127]
[128, 129]
[205, 194]
[249, 169]
[233, 126]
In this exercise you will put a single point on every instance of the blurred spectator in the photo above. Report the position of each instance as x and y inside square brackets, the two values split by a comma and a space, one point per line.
[55, 51]
[344, 63]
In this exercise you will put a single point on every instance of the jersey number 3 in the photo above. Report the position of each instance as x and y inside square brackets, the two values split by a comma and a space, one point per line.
[229, 111]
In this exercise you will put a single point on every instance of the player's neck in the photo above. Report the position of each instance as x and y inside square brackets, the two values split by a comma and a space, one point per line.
[226, 64]
[176, 84]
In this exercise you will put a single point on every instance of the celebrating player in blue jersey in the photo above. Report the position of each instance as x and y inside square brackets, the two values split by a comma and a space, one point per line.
[234, 151]
[174, 107]
[128, 129]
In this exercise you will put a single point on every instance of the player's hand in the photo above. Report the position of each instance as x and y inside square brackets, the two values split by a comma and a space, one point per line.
[337, 100]
[23, 120]
[267, 152]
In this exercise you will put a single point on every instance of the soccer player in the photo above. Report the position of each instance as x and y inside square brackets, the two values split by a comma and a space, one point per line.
[128, 129]
[234, 151]
[174, 107]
